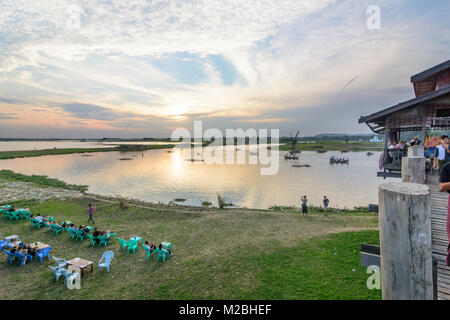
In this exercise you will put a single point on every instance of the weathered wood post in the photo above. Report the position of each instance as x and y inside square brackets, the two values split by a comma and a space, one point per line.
[405, 236]
[413, 166]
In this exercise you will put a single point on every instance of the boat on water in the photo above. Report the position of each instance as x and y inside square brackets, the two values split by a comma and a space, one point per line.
[334, 160]
[370, 153]
[288, 156]
[321, 151]
[295, 151]
[344, 151]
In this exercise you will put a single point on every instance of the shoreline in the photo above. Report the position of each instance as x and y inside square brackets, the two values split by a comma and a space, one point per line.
[7, 155]
[41, 188]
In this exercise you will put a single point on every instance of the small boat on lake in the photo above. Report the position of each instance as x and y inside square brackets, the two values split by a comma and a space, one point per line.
[321, 151]
[334, 160]
[288, 156]
[370, 153]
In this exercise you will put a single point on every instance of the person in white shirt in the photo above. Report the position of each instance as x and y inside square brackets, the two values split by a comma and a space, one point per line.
[442, 150]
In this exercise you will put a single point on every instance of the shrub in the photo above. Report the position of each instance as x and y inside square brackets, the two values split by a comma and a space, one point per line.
[122, 203]
[206, 204]
[222, 203]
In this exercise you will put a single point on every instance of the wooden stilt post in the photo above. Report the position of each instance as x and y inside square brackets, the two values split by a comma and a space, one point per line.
[405, 236]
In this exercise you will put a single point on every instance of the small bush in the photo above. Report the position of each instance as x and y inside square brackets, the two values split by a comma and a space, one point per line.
[206, 204]
[122, 203]
[222, 203]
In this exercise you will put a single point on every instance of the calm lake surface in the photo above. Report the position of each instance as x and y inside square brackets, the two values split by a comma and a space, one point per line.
[160, 176]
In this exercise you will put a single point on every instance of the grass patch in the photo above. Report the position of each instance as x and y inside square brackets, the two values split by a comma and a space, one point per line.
[219, 254]
[42, 181]
[46, 152]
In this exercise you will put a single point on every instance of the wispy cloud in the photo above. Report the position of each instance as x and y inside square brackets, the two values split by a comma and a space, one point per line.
[156, 65]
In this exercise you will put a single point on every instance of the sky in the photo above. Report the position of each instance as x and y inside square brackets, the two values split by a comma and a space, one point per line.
[141, 68]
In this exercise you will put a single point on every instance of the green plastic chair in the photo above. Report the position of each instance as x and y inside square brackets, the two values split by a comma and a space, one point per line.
[73, 233]
[148, 253]
[132, 245]
[36, 224]
[45, 224]
[57, 229]
[23, 214]
[80, 234]
[123, 244]
[103, 240]
[161, 254]
[91, 237]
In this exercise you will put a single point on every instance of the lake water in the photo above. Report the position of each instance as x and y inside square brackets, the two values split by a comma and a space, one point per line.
[160, 176]
[63, 144]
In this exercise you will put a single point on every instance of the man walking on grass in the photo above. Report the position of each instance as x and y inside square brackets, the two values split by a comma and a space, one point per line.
[325, 205]
[91, 213]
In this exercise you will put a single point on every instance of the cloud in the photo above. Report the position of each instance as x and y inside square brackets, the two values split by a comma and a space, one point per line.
[153, 65]
[7, 116]
[10, 101]
[89, 111]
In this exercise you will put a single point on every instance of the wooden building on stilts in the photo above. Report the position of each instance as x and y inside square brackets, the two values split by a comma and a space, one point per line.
[427, 112]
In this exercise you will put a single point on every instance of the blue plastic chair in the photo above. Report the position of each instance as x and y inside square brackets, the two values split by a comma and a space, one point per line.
[23, 258]
[57, 272]
[66, 274]
[106, 258]
[61, 262]
[44, 253]
[11, 256]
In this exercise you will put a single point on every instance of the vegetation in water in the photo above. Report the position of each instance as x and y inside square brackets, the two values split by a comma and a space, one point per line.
[222, 203]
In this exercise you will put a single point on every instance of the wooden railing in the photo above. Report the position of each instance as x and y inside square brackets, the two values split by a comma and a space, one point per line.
[393, 160]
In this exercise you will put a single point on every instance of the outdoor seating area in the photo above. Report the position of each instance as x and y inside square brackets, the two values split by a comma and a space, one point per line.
[17, 251]
[12, 214]
[22, 254]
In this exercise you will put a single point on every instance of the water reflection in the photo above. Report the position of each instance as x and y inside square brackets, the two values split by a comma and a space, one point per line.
[159, 175]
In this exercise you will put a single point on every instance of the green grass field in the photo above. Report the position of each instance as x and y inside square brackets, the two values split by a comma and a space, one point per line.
[219, 254]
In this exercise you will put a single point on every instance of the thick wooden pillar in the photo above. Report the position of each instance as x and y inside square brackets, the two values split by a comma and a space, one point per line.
[413, 166]
[405, 237]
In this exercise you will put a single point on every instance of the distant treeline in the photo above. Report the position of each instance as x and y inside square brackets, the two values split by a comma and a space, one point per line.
[317, 138]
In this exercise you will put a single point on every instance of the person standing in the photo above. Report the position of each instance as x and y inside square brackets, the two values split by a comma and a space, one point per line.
[441, 156]
[444, 185]
[304, 205]
[91, 213]
[325, 205]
